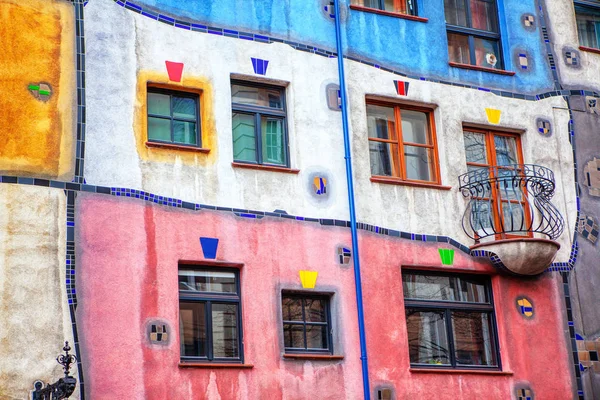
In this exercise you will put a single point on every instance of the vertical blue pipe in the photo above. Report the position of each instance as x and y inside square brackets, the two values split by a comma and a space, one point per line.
[347, 156]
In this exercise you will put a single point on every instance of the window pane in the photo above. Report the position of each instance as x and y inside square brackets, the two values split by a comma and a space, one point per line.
[292, 309]
[192, 329]
[419, 163]
[159, 104]
[367, 3]
[588, 27]
[273, 141]
[508, 187]
[414, 127]
[473, 339]
[380, 122]
[159, 129]
[256, 96]
[428, 287]
[476, 148]
[456, 13]
[184, 107]
[487, 53]
[471, 290]
[244, 140]
[398, 6]
[513, 218]
[506, 150]
[482, 215]
[427, 337]
[184, 132]
[315, 310]
[293, 336]
[207, 281]
[225, 330]
[316, 337]
[458, 48]
[483, 15]
[444, 288]
[383, 158]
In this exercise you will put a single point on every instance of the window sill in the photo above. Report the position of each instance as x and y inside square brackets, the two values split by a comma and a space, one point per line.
[316, 357]
[177, 147]
[589, 49]
[265, 168]
[213, 365]
[459, 371]
[482, 69]
[388, 13]
[392, 181]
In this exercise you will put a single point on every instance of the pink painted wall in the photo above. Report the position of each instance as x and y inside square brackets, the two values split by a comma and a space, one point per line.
[128, 257]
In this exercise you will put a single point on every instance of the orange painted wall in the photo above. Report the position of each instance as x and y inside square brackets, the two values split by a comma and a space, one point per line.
[37, 39]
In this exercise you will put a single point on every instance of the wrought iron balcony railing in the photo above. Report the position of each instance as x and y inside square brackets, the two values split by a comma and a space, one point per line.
[510, 201]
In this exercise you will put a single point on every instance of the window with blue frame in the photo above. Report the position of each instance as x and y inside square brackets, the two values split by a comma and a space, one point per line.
[259, 124]
[396, 6]
[587, 15]
[473, 33]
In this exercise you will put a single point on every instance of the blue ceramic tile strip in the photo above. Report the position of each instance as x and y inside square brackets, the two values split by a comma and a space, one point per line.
[188, 24]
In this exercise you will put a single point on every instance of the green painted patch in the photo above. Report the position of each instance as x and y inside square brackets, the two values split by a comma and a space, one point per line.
[45, 92]
[447, 256]
[34, 87]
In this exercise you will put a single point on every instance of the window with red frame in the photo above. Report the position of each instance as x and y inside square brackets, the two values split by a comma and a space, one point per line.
[402, 143]
[396, 6]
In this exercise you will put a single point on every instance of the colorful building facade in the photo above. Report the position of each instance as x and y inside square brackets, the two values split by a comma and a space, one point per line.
[182, 175]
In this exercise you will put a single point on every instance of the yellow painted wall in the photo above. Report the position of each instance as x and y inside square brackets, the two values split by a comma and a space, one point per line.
[37, 39]
[208, 131]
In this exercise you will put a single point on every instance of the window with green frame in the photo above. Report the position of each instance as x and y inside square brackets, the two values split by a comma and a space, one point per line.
[259, 124]
[173, 117]
[587, 15]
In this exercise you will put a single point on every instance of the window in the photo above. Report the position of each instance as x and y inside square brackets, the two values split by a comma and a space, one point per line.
[306, 323]
[173, 117]
[450, 321]
[397, 6]
[259, 124]
[500, 206]
[587, 15]
[402, 143]
[473, 34]
[209, 315]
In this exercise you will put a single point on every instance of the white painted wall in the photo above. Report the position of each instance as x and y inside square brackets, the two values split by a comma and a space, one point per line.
[34, 313]
[563, 33]
[115, 55]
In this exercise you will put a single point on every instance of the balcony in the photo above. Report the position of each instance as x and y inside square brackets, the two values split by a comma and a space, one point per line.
[510, 214]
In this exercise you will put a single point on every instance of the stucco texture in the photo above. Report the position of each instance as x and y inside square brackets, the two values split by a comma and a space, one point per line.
[37, 38]
[129, 254]
[116, 155]
[34, 315]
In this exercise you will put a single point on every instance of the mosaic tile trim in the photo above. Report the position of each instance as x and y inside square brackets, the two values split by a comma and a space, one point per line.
[191, 26]
[80, 68]
[253, 214]
[572, 335]
[588, 352]
[70, 261]
[588, 228]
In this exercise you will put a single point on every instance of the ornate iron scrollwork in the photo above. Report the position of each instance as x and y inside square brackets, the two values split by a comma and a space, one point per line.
[64, 387]
[510, 200]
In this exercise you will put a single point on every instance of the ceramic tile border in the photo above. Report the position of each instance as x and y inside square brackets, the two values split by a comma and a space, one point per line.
[187, 24]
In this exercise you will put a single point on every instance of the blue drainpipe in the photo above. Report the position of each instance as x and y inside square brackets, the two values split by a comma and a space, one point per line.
[347, 156]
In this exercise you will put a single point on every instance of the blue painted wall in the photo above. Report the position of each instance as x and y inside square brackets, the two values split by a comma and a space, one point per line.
[411, 47]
